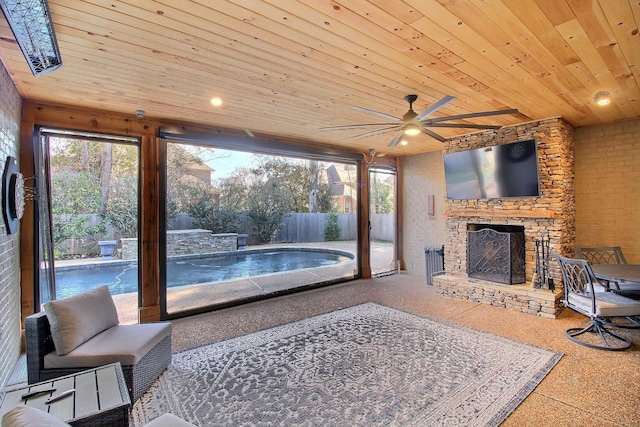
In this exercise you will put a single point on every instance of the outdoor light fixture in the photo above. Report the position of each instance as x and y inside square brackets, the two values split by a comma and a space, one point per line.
[602, 98]
[412, 129]
[30, 22]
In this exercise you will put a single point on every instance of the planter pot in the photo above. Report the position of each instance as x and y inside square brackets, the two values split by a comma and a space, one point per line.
[107, 248]
[242, 241]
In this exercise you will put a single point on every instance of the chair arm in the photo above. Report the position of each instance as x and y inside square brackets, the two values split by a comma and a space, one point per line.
[38, 342]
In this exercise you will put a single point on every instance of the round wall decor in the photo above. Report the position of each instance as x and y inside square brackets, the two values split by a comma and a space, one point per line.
[12, 195]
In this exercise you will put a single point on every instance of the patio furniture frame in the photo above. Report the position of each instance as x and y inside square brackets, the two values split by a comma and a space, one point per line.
[600, 307]
[138, 377]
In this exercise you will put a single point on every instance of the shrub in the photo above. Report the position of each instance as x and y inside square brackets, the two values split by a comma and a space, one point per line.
[331, 227]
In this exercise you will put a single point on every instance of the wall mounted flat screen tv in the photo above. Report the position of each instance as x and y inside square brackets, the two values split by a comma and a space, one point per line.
[506, 170]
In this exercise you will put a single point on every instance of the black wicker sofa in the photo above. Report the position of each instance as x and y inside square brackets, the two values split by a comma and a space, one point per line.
[143, 350]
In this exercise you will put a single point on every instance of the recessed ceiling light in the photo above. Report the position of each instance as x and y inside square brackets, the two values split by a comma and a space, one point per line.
[216, 102]
[602, 98]
[404, 142]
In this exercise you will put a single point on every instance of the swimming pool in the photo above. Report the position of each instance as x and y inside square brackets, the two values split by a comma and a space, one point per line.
[122, 277]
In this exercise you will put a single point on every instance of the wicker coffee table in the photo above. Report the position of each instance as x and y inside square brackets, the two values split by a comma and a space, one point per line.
[100, 398]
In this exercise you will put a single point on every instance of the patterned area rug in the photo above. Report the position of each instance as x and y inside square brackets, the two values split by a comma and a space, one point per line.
[367, 365]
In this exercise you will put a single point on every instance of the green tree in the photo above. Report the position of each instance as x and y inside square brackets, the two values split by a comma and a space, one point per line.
[209, 215]
[325, 197]
[73, 199]
[303, 186]
[121, 210]
[267, 206]
[86, 175]
[332, 227]
[381, 196]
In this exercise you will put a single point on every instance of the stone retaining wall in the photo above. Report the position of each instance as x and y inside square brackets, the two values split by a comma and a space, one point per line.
[187, 242]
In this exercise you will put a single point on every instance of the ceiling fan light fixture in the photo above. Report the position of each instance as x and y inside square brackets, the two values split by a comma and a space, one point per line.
[412, 129]
[602, 98]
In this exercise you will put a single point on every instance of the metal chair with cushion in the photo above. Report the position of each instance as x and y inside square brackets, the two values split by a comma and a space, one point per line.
[610, 255]
[601, 255]
[600, 307]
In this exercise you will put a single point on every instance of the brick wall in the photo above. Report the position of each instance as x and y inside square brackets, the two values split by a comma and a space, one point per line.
[607, 187]
[10, 117]
[421, 176]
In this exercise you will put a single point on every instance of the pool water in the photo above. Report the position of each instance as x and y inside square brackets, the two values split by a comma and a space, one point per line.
[122, 277]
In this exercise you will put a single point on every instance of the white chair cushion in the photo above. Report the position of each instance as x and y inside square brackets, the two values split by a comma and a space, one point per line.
[76, 319]
[608, 304]
[126, 344]
[26, 416]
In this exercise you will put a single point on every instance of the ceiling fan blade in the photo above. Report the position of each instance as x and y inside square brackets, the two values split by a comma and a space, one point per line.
[373, 133]
[396, 139]
[434, 135]
[377, 113]
[463, 126]
[339, 127]
[435, 107]
[471, 115]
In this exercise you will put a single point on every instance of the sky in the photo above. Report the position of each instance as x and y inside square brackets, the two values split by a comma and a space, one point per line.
[225, 162]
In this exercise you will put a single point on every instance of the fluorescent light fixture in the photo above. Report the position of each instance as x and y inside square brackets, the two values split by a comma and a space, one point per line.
[412, 129]
[31, 24]
[602, 98]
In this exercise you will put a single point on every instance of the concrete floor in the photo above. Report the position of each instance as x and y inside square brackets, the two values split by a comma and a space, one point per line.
[586, 388]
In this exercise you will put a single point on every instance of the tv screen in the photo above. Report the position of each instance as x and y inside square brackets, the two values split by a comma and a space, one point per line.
[506, 170]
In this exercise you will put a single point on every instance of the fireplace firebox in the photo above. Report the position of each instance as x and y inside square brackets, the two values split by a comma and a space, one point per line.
[496, 253]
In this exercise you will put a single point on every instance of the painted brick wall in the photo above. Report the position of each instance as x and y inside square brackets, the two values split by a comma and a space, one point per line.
[421, 175]
[10, 118]
[607, 165]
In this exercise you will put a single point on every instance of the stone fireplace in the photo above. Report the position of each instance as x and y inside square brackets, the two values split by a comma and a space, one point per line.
[552, 213]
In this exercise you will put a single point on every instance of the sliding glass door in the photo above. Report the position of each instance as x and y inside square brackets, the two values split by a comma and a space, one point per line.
[88, 211]
[242, 225]
[382, 220]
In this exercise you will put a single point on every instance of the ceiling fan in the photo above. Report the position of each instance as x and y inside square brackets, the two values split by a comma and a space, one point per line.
[413, 123]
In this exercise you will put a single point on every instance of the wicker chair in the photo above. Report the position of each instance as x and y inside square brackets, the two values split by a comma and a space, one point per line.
[600, 307]
[138, 377]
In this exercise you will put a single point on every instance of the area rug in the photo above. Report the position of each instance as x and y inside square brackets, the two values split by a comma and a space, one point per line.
[367, 365]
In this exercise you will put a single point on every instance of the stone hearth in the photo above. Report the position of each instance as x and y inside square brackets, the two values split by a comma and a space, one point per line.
[523, 298]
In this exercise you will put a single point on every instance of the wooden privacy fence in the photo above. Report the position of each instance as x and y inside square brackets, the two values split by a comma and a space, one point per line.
[309, 227]
[298, 227]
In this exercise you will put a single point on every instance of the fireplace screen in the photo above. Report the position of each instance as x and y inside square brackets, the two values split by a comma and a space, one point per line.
[496, 253]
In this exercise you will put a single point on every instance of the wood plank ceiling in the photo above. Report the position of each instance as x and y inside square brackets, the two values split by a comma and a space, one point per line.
[290, 67]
